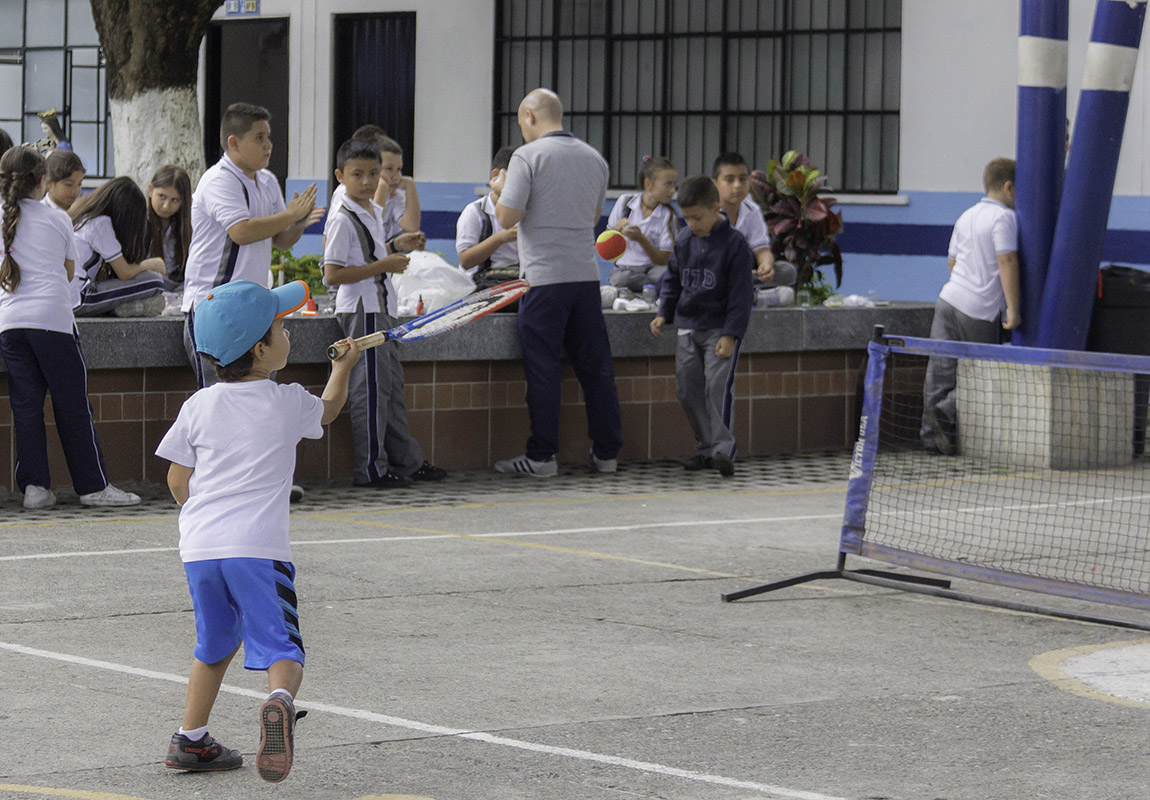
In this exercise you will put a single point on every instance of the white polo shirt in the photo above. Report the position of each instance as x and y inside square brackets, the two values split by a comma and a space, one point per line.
[43, 242]
[469, 232]
[985, 231]
[393, 209]
[337, 198]
[752, 225]
[655, 227]
[240, 439]
[355, 238]
[96, 245]
[223, 197]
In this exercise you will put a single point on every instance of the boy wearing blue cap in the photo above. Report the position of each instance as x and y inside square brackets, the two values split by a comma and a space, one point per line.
[232, 453]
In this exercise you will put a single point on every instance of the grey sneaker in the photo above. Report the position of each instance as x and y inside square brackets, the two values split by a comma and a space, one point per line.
[110, 496]
[38, 497]
[277, 725]
[151, 306]
[528, 466]
[205, 755]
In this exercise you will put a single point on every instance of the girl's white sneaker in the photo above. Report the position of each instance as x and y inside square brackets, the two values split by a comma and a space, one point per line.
[38, 497]
[109, 496]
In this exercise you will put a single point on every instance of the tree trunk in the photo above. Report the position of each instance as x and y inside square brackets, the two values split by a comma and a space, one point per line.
[152, 50]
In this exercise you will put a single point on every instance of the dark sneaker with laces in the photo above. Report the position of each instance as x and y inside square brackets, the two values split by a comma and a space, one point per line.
[389, 480]
[428, 472]
[205, 755]
[277, 726]
[696, 463]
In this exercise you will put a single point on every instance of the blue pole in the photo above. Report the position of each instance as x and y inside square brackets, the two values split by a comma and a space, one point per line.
[1041, 147]
[1068, 297]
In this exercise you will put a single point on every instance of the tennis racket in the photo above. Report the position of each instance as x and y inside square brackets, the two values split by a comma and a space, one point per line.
[448, 318]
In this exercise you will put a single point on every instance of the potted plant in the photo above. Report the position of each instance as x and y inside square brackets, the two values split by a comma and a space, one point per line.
[802, 223]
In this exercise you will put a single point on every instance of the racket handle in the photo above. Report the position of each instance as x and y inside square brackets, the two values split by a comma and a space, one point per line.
[365, 343]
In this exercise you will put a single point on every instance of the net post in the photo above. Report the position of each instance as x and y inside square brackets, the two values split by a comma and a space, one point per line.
[866, 448]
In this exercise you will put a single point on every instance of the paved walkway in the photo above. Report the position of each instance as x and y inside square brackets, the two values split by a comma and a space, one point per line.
[505, 638]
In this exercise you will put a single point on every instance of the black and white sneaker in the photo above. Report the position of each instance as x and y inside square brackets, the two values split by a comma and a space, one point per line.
[528, 466]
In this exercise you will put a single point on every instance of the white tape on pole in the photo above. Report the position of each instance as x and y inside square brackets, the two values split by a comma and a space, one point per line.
[1042, 62]
[1109, 67]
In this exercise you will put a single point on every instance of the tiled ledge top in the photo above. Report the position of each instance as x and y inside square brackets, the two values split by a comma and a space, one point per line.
[113, 343]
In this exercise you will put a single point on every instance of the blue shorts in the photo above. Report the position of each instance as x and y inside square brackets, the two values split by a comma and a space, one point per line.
[249, 600]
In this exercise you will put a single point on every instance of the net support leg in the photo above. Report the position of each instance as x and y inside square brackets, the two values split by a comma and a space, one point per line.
[869, 577]
[770, 587]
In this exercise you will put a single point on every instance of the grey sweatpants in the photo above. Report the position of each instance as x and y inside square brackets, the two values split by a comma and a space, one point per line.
[705, 384]
[938, 395]
[380, 435]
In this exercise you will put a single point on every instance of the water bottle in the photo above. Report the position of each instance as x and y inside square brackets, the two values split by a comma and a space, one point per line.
[649, 293]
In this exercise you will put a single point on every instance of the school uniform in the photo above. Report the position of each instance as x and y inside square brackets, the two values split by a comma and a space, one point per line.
[754, 229]
[41, 349]
[97, 246]
[477, 223]
[634, 269]
[223, 197]
[707, 294]
[76, 283]
[380, 433]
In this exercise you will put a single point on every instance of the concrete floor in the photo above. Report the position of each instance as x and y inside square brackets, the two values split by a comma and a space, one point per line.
[496, 638]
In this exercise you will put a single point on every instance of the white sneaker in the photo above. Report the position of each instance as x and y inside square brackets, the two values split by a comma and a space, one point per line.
[603, 464]
[110, 496]
[528, 466]
[38, 497]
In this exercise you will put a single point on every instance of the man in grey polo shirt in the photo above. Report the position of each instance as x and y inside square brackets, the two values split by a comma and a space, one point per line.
[554, 190]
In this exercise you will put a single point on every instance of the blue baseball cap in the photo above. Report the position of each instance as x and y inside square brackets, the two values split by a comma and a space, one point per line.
[235, 316]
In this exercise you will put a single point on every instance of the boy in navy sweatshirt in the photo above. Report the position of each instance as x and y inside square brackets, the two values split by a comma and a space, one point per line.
[707, 294]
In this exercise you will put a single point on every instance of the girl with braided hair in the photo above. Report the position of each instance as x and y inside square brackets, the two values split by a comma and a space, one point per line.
[38, 338]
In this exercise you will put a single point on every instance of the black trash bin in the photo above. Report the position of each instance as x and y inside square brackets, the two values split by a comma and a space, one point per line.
[1121, 324]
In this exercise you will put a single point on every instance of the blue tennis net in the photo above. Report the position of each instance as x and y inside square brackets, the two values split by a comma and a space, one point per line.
[1029, 472]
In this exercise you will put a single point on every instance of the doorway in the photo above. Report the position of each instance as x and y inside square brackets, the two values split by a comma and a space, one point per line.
[247, 61]
[374, 78]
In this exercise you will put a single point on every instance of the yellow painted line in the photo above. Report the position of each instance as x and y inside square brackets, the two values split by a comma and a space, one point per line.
[537, 546]
[60, 523]
[1049, 666]
[552, 501]
[78, 794]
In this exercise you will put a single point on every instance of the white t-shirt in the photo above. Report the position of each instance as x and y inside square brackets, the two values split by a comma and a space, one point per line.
[655, 228]
[223, 197]
[336, 201]
[752, 225]
[983, 232]
[349, 230]
[469, 230]
[393, 209]
[240, 438]
[96, 244]
[43, 300]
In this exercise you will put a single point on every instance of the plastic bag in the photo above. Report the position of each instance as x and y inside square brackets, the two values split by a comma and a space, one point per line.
[431, 277]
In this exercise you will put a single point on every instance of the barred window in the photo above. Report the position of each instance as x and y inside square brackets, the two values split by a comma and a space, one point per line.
[689, 79]
[50, 57]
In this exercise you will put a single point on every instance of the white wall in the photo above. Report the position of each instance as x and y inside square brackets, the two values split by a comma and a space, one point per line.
[960, 96]
[453, 82]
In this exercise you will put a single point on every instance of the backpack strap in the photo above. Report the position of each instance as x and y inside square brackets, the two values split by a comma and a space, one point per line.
[486, 228]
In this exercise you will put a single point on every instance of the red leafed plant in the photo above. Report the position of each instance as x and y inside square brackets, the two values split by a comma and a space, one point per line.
[802, 224]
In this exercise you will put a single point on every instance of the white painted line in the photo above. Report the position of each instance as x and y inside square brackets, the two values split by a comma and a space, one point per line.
[439, 730]
[441, 537]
